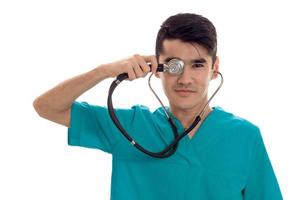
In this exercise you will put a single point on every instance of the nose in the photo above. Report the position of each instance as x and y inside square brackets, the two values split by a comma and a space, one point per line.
[186, 76]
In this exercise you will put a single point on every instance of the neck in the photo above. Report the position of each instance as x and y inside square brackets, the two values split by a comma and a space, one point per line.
[187, 116]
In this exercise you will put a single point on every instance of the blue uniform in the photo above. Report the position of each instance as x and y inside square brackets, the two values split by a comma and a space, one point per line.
[225, 160]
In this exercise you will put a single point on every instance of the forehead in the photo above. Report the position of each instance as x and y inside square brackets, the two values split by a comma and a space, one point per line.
[183, 50]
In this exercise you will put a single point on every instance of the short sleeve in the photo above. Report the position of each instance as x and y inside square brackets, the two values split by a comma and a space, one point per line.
[91, 126]
[261, 183]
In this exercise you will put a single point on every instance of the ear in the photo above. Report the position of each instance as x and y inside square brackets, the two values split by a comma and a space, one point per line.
[215, 69]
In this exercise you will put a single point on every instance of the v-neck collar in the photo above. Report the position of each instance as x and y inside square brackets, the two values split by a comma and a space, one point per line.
[202, 125]
[180, 127]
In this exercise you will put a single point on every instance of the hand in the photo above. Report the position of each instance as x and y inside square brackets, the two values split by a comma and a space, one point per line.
[135, 66]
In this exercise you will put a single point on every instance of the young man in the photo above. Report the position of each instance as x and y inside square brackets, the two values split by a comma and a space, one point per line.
[223, 157]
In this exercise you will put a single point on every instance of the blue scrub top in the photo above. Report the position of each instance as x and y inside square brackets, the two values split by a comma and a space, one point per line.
[225, 160]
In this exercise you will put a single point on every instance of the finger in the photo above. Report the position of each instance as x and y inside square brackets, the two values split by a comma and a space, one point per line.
[143, 65]
[153, 61]
[131, 74]
[137, 69]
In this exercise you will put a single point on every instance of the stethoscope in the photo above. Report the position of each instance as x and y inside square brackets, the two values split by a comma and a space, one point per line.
[175, 67]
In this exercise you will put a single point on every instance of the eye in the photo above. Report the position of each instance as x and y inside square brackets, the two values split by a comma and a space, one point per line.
[198, 65]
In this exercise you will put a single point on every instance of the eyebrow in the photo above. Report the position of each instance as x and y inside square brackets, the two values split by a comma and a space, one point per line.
[201, 60]
[198, 60]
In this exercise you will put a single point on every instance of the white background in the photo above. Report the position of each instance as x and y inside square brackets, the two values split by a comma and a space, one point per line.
[43, 43]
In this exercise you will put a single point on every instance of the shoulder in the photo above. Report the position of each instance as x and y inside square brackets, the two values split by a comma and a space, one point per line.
[235, 125]
[94, 107]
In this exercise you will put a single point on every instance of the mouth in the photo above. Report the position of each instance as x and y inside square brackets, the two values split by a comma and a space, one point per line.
[184, 93]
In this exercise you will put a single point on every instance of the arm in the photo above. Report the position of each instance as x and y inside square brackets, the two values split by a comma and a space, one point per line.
[262, 183]
[55, 104]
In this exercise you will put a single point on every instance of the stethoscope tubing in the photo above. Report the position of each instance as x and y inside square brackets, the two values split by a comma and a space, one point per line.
[172, 147]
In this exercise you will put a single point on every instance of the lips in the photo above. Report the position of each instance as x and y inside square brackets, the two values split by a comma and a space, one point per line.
[184, 93]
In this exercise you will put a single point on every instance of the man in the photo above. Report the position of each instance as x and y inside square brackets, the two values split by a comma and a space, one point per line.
[223, 157]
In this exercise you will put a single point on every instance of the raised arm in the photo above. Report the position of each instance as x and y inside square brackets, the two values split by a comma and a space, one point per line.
[55, 104]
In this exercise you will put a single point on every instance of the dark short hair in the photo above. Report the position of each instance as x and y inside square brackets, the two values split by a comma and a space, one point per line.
[188, 27]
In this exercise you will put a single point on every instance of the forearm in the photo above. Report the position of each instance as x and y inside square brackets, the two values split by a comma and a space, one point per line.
[61, 97]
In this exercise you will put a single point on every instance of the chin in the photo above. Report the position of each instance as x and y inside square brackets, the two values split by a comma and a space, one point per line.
[182, 105]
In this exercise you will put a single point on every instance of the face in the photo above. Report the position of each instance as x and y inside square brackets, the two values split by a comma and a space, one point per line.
[188, 90]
